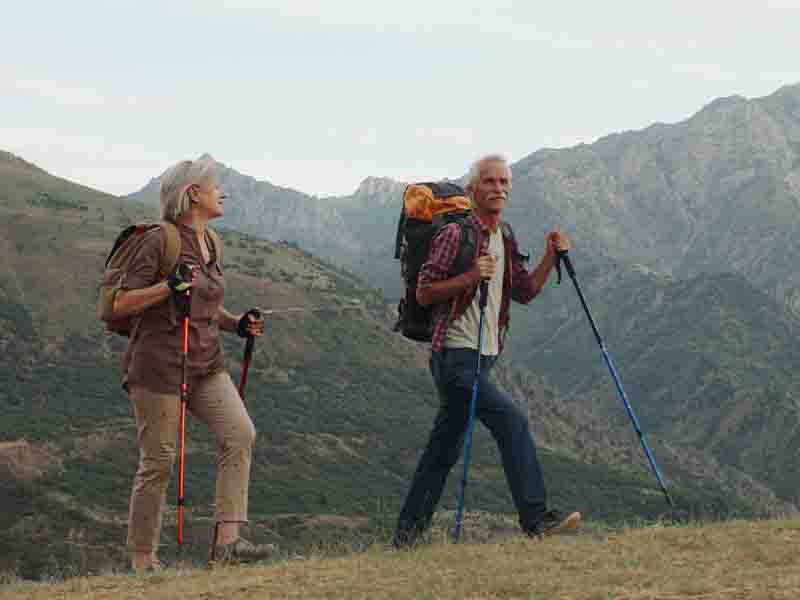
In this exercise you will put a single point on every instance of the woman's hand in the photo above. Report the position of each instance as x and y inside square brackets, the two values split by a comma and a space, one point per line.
[251, 324]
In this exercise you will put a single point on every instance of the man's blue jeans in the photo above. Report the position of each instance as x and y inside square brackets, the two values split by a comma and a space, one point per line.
[453, 372]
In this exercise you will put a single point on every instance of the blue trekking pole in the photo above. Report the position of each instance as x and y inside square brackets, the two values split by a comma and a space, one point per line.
[484, 294]
[563, 257]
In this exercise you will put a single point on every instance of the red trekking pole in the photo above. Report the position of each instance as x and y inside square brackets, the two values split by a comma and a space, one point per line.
[248, 355]
[184, 394]
[184, 302]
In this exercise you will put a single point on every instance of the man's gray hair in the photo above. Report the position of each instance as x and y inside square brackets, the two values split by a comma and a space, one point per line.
[175, 183]
[476, 169]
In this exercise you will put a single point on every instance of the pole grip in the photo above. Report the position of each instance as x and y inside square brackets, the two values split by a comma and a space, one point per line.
[563, 257]
[484, 291]
[250, 343]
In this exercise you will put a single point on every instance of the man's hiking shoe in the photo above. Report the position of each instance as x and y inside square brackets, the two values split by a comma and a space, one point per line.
[555, 521]
[408, 538]
[242, 551]
[402, 543]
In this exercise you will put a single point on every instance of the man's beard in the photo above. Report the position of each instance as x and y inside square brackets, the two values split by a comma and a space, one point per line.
[496, 205]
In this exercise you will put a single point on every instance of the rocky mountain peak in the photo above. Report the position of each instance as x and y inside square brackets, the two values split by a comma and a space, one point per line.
[372, 186]
[7, 157]
[724, 103]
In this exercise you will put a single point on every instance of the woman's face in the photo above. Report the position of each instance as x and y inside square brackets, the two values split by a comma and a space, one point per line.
[208, 199]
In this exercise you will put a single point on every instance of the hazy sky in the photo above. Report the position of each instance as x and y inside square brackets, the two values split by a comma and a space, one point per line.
[319, 95]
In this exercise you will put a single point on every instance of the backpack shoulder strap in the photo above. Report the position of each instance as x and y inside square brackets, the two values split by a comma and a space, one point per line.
[467, 246]
[469, 236]
[508, 233]
[172, 248]
[218, 245]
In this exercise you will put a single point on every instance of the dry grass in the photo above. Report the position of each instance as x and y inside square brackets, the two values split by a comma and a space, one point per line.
[26, 461]
[718, 561]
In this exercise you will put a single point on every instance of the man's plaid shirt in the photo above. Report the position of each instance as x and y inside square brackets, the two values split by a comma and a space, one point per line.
[518, 284]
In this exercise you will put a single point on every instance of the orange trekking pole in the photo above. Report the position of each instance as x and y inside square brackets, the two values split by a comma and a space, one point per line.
[180, 283]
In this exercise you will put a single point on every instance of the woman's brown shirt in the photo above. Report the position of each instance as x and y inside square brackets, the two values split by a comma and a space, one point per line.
[155, 352]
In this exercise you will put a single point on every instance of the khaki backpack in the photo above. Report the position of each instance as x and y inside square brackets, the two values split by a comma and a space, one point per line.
[125, 248]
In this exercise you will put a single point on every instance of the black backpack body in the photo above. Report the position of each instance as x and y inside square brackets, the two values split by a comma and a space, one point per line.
[427, 208]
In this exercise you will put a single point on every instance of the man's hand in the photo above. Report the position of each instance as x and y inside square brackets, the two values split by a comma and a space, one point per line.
[181, 279]
[485, 266]
[251, 324]
[556, 241]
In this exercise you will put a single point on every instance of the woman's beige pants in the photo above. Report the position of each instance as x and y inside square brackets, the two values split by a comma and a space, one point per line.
[216, 402]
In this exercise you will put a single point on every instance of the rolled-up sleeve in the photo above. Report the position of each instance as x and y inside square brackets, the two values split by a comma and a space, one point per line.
[442, 254]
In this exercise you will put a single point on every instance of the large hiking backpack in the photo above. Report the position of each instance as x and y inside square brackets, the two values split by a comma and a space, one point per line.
[125, 248]
[427, 207]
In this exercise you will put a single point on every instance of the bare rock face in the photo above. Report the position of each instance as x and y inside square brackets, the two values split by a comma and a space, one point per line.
[376, 191]
[276, 213]
[717, 192]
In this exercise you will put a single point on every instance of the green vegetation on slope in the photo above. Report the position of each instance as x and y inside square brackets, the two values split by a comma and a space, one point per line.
[342, 404]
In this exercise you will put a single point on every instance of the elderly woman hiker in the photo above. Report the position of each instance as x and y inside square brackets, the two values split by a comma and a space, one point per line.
[152, 366]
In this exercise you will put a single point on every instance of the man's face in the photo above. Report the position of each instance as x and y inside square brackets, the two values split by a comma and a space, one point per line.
[491, 190]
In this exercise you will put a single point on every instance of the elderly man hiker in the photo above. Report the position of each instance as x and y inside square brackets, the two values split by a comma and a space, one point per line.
[454, 353]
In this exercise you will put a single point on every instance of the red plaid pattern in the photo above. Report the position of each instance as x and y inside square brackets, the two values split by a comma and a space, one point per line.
[517, 282]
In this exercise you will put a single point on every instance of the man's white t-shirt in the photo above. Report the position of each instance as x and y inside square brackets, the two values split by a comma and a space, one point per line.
[463, 332]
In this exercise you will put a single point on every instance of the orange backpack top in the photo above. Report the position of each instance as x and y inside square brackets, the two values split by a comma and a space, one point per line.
[424, 201]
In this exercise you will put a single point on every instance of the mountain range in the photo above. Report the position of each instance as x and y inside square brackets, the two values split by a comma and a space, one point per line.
[342, 403]
[718, 192]
[684, 241]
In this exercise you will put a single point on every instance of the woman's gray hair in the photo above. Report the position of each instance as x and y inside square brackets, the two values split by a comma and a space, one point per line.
[476, 169]
[175, 184]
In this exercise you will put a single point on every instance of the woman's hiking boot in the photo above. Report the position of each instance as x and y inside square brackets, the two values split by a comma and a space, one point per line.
[152, 567]
[242, 551]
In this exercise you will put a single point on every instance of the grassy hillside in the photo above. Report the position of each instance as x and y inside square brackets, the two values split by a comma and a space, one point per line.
[711, 561]
[342, 404]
